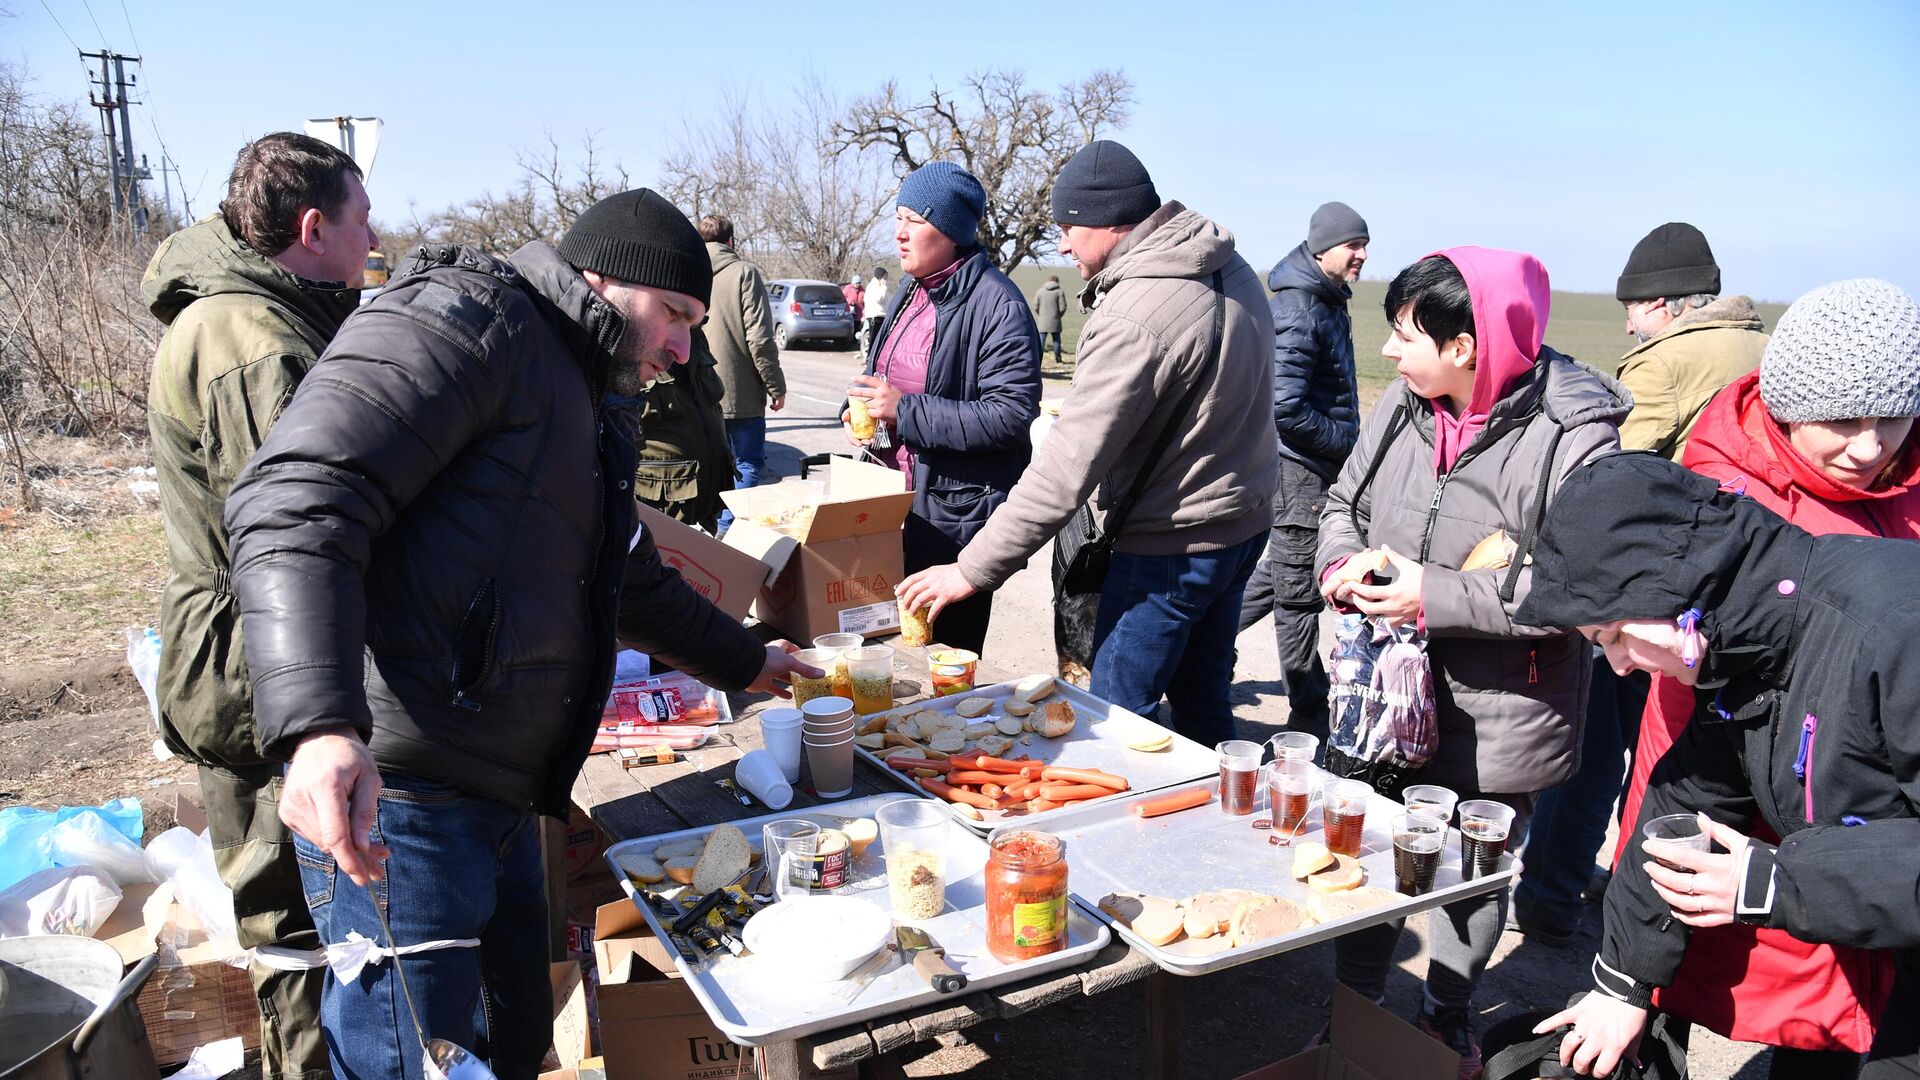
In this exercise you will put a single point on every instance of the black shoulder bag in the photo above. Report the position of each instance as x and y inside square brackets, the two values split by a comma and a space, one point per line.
[1083, 551]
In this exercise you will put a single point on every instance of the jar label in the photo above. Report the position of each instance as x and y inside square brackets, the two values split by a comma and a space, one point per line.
[1039, 924]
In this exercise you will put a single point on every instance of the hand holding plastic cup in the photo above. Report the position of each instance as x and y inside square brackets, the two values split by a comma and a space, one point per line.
[1431, 799]
[787, 846]
[760, 774]
[1676, 830]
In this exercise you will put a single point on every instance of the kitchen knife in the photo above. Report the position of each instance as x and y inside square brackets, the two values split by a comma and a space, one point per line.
[929, 960]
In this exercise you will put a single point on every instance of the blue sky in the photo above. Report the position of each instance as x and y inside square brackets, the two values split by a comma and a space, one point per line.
[1788, 132]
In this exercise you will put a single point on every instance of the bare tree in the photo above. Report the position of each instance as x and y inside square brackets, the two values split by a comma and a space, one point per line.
[551, 192]
[800, 201]
[1014, 137]
[75, 339]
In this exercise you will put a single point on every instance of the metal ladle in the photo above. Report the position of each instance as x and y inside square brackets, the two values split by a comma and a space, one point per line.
[444, 1060]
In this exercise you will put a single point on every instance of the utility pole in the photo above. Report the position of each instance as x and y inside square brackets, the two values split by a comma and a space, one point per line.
[116, 125]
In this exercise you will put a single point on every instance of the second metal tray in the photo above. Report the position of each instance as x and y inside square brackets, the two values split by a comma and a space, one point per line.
[1202, 849]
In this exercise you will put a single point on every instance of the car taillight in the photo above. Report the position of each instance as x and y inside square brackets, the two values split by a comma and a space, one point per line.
[796, 307]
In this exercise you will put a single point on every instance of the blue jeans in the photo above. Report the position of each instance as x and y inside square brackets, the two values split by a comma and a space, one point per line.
[462, 867]
[747, 438]
[1166, 627]
[1570, 821]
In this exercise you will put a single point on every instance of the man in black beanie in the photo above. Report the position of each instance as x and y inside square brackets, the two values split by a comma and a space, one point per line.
[1171, 418]
[431, 560]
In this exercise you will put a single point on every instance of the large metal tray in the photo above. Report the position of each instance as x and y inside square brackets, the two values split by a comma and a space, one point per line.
[1098, 741]
[754, 1010]
[1202, 849]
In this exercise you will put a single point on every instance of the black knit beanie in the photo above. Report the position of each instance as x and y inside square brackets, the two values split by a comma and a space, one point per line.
[1104, 184]
[1672, 260]
[642, 239]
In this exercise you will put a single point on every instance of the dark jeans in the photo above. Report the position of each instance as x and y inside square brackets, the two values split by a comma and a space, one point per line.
[1166, 628]
[462, 867]
[1460, 936]
[1286, 586]
[1570, 822]
[1054, 337]
[747, 438]
[253, 852]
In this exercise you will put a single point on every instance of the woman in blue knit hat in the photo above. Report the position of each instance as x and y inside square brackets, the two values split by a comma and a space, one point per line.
[952, 380]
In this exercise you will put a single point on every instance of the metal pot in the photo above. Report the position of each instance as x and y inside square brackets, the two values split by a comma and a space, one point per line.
[66, 1012]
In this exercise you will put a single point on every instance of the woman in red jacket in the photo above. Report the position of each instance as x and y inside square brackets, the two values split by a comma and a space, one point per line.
[1822, 436]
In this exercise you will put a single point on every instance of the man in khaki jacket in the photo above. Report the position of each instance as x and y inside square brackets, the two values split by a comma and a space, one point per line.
[739, 330]
[250, 297]
[1693, 341]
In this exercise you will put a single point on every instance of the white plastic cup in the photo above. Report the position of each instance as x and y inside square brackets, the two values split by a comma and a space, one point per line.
[780, 730]
[1431, 799]
[760, 774]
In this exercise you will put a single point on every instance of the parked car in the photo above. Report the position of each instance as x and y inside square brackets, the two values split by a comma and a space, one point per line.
[805, 310]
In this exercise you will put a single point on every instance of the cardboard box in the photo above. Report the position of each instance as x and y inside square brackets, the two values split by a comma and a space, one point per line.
[582, 843]
[728, 576]
[835, 570]
[1366, 1043]
[195, 997]
[651, 1025]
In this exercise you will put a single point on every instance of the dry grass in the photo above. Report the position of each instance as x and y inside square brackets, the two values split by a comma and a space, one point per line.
[71, 587]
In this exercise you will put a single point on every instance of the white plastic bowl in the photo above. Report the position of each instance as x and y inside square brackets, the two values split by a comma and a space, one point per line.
[818, 938]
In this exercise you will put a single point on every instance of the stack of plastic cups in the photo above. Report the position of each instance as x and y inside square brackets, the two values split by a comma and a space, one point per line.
[780, 730]
[827, 733]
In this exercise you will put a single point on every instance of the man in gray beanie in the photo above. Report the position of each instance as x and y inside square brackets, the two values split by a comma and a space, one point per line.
[1316, 413]
[1170, 419]
[433, 557]
[1692, 344]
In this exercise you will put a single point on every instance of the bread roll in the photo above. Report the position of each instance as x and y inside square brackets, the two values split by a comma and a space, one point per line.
[1265, 917]
[1310, 857]
[1344, 874]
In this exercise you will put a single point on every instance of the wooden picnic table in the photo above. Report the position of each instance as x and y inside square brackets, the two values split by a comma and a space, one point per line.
[665, 798]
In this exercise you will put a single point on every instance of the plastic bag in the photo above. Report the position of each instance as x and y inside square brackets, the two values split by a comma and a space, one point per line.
[1385, 724]
[184, 859]
[65, 900]
[89, 840]
[143, 656]
[23, 832]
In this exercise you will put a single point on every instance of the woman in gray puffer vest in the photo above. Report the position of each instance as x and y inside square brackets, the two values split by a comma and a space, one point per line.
[1473, 439]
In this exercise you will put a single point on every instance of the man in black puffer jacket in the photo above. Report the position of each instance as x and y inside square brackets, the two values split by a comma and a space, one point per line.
[431, 555]
[1316, 412]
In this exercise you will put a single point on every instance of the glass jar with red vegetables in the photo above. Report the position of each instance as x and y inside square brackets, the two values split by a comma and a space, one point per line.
[1026, 894]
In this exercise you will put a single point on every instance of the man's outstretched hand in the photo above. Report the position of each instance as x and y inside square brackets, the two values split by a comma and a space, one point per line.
[329, 794]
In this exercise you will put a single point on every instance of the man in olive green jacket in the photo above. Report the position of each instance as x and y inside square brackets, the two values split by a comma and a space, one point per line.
[1693, 341]
[250, 297]
[739, 330]
[682, 438]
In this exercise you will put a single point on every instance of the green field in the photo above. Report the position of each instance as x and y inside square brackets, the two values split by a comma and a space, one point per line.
[1587, 326]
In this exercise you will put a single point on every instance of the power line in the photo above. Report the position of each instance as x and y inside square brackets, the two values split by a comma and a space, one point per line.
[153, 113]
[63, 29]
[96, 23]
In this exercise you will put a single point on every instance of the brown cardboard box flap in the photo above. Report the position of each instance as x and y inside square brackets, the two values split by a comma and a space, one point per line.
[1366, 1043]
[724, 574]
[572, 1039]
[144, 911]
[775, 549]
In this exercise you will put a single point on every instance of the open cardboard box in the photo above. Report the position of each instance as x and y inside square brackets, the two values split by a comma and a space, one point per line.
[1366, 1043]
[834, 572]
[651, 1025]
[728, 576]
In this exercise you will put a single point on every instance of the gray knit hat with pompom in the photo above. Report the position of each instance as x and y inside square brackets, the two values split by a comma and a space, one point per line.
[1844, 351]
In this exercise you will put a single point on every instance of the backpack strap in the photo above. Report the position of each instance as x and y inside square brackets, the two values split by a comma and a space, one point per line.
[1402, 416]
[1537, 515]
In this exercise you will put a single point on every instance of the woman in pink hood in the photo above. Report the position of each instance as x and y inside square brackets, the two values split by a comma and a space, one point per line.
[1470, 442]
